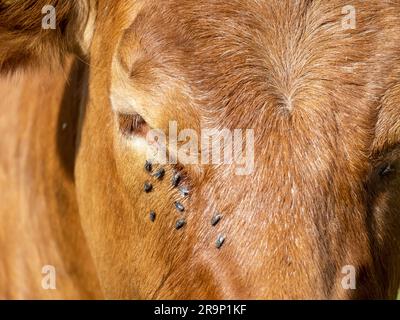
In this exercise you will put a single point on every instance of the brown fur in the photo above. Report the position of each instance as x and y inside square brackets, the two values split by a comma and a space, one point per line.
[24, 42]
[324, 106]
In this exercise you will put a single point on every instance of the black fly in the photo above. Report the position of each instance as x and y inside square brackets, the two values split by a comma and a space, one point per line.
[148, 187]
[152, 216]
[176, 179]
[160, 174]
[215, 219]
[179, 206]
[180, 224]
[220, 241]
[184, 191]
[148, 166]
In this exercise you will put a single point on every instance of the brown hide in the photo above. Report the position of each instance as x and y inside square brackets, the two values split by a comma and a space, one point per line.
[324, 106]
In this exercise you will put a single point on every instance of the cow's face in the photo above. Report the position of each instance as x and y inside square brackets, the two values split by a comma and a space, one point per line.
[320, 205]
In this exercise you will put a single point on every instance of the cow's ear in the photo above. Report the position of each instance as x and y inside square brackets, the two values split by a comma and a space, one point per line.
[38, 32]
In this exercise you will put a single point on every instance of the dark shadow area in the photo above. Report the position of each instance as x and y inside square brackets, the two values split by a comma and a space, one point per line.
[64, 214]
[72, 112]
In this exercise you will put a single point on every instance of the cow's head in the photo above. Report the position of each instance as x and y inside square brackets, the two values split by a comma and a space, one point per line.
[323, 101]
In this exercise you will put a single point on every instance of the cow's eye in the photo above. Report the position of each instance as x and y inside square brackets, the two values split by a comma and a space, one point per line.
[132, 125]
[387, 170]
[387, 164]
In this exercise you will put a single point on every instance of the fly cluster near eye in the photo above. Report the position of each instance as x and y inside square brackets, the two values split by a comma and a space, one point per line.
[177, 182]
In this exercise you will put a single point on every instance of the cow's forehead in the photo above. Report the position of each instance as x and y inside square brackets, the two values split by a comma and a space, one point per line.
[263, 62]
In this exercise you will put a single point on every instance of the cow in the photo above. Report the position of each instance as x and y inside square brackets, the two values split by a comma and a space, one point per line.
[85, 214]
